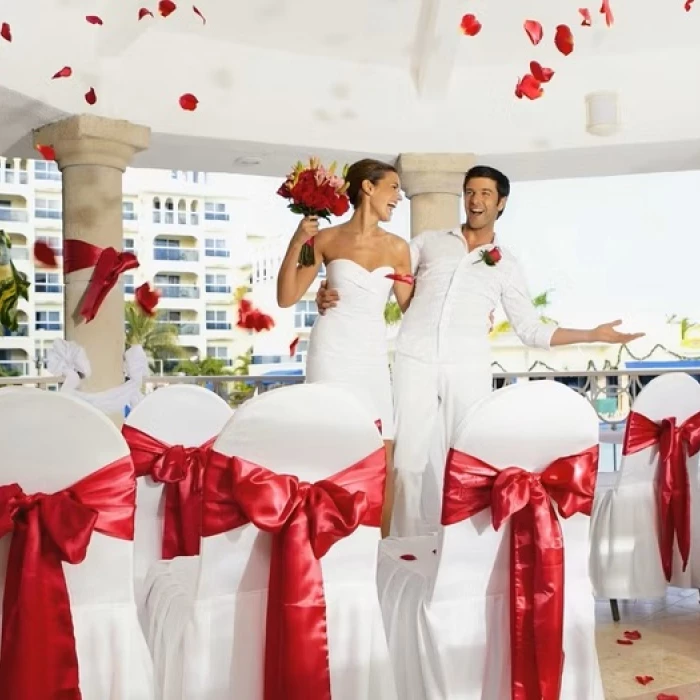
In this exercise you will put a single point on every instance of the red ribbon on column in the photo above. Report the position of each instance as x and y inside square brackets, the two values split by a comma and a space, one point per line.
[536, 551]
[181, 469]
[38, 659]
[672, 490]
[306, 520]
[108, 264]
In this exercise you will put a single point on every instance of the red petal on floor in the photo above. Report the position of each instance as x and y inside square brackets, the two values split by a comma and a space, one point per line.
[664, 696]
[409, 557]
[534, 30]
[627, 642]
[644, 680]
[633, 634]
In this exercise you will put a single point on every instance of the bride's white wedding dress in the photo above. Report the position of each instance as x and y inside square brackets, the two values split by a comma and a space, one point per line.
[348, 344]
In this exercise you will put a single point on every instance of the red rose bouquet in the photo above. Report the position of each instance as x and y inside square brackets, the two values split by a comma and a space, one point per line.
[315, 191]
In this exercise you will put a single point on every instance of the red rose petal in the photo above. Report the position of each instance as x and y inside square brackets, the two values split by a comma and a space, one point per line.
[293, 347]
[688, 5]
[45, 254]
[540, 73]
[65, 72]
[633, 634]
[534, 30]
[665, 696]
[6, 32]
[252, 319]
[528, 86]
[147, 298]
[470, 25]
[644, 680]
[406, 279]
[199, 14]
[564, 40]
[144, 12]
[94, 19]
[90, 96]
[166, 7]
[409, 557]
[47, 152]
[605, 10]
[189, 102]
[586, 14]
[627, 642]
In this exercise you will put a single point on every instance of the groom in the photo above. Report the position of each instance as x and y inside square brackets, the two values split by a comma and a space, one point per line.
[443, 359]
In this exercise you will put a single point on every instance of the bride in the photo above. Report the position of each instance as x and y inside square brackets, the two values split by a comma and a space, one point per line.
[348, 344]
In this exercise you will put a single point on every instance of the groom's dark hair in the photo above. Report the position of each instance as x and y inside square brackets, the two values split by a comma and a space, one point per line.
[502, 182]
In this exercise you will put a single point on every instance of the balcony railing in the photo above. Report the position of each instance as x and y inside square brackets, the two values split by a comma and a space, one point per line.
[53, 214]
[15, 177]
[49, 326]
[218, 289]
[12, 368]
[14, 214]
[176, 254]
[178, 291]
[218, 326]
[47, 175]
[22, 330]
[129, 216]
[172, 218]
[19, 252]
[217, 253]
[47, 288]
[182, 327]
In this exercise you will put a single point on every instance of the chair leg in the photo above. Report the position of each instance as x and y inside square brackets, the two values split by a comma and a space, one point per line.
[615, 610]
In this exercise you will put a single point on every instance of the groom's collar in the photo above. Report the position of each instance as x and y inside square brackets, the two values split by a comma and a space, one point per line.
[457, 231]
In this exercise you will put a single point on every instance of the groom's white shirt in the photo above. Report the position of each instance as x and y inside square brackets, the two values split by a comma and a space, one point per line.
[448, 318]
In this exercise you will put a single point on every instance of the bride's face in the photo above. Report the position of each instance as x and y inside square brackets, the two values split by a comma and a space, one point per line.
[384, 196]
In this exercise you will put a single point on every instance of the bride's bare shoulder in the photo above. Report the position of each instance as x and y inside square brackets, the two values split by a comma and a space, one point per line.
[396, 242]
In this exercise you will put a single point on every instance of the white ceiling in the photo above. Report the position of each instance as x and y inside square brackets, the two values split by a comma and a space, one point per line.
[279, 80]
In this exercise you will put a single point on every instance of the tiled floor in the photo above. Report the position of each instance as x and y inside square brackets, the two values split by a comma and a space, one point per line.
[669, 648]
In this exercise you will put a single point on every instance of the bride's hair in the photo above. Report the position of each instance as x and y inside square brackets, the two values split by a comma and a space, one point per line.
[365, 169]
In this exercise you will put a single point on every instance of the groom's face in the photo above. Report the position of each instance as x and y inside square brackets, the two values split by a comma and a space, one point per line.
[481, 203]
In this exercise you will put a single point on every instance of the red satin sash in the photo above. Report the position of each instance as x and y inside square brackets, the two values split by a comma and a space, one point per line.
[672, 490]
[108, 264]
[181, 469]
[305, 521]
[536, 551]
[38, 660]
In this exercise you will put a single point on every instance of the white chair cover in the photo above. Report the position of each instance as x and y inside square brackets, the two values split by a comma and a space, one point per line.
[624, 560]
[50, 441]
[176, 415]
[446, 610]
[208, 642]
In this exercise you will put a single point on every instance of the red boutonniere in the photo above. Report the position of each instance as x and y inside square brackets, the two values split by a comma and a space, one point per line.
[491, 257]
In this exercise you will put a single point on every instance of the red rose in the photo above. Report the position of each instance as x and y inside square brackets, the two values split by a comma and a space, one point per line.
[147, 298]
[495, 255]
[340, 205]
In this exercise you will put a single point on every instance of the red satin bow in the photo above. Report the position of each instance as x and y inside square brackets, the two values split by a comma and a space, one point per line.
[108, 264]
[405, 279]
[38, 659]
[537, 551]
[672, 492]
[306, 520]
[181, 469]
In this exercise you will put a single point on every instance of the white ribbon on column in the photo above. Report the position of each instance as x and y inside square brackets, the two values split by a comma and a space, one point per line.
[69, 360]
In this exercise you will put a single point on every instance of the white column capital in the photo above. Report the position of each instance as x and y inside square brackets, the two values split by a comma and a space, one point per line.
[433, 173]
[85, 139]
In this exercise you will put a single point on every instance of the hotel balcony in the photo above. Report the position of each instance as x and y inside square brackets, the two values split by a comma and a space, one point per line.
[19, 339]
[218, 329]
[15, 218]
[183, 328]
[47, 290]
[14, 180]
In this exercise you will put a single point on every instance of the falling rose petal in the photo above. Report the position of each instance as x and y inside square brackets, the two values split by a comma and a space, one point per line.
[528, 86]
[688, 6]
[252, 319]
[44, 254]
[147, 298]
[144, 12]
[47, 152]
[188, 102]
[65, 72]
[605, 10]
[406, 279]
[195, 9]
[409, 557]
[564, 40]
[166, 7]
[586, 14]
[293, 347]
[534, 30]
[540, 73]
[633, 634]
[644, 680]
[90, 96]
[470, 25]
[94, 19]
[6, 32]
[626, 642]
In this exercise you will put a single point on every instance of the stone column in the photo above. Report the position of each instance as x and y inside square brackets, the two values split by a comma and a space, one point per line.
[92, 153]
[433, 183]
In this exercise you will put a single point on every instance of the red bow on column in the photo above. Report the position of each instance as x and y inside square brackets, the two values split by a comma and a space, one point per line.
[181, 469]
[672, 491]
[536, 551]
[108, 264]
[38, 659]
[306, 520]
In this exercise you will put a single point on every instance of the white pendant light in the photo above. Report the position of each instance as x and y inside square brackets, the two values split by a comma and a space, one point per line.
[602, 113]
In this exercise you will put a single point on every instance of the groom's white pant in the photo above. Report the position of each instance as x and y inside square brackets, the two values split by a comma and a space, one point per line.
[431, 400]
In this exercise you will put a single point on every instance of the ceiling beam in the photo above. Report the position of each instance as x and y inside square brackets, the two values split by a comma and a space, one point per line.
[435, 47]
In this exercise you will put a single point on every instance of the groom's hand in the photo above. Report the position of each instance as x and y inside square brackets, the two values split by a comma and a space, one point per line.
[326, 298]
